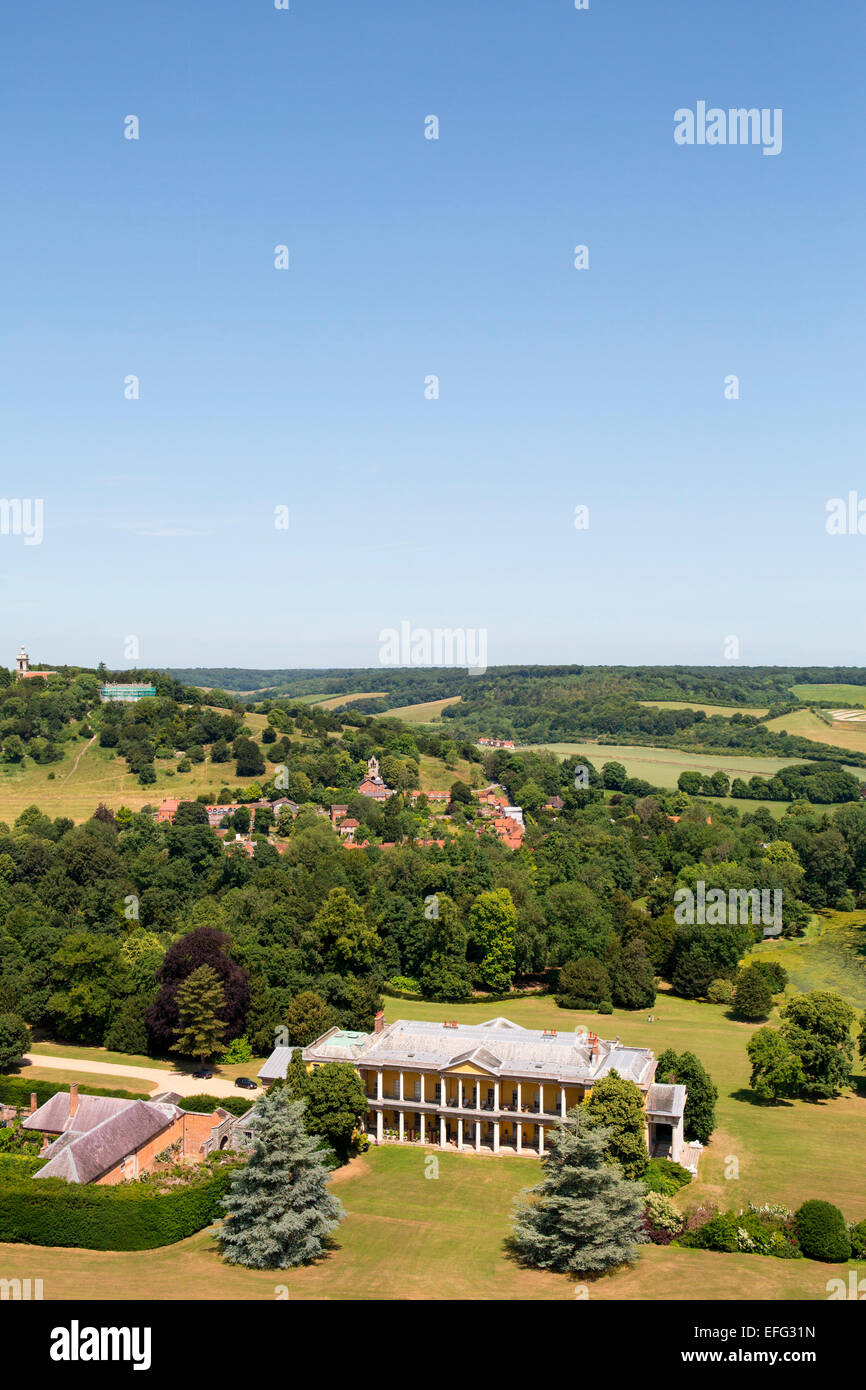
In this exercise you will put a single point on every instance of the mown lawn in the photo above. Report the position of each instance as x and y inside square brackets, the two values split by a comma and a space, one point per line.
[784, 1153]
[410, 1236]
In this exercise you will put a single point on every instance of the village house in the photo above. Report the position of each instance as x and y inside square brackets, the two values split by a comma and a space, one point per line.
[495, 743]
[493, 1086]
[106, 1140]
[167, 809]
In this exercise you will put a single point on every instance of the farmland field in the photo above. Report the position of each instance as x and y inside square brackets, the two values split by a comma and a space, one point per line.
[808, 724]
[428, 712]
[334, 701]
[831, 694]
[831, 955]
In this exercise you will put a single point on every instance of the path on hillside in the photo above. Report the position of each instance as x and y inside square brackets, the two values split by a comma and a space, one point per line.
[74, 767]
[184, 1085]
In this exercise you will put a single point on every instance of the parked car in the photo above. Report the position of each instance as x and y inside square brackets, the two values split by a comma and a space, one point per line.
[203, 1074]
[246, 1084]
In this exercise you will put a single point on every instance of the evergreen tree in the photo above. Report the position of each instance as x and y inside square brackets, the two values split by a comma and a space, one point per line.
[279, 1209]
[754, 995]
[634, 985]
[584, 1216]
[200, 1000]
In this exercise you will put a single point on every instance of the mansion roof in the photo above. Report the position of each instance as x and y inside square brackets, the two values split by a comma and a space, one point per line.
[498, 1047]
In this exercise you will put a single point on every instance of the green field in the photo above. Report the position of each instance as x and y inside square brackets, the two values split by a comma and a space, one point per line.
[809, 724]
[831, 694]
[785, 1153]
[428, 712]
[411, 1236]
[831, 955]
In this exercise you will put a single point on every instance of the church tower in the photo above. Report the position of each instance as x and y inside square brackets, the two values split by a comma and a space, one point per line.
[22, 663]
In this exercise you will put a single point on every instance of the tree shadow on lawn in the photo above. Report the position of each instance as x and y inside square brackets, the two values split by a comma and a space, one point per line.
[748, 1097]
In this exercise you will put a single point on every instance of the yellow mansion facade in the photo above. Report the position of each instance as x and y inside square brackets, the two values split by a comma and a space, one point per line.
[491, 1086]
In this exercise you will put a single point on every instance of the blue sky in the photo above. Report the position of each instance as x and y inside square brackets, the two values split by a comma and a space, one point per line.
[411, 257]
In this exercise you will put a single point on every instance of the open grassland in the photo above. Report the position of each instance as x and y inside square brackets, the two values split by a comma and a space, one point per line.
[662, 766]
[784, 1153]
[725, 710]
[831, 955]
[414, 1237]
[334, 701]
[89, 775]
[86, 1078]
[428, 712]
[831, 694]
[839, 734]
[436, 777]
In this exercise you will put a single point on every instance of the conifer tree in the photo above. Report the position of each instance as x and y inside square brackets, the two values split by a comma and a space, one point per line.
[200, 1001]
[584, 1216]
[279, 1209]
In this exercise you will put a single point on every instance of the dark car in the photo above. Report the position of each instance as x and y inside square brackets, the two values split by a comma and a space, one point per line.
[203, 1074]
[246, 1084]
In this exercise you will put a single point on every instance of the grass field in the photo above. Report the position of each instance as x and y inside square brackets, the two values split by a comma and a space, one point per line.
[832, 955]
[808, 724]
[784, 1153]
[413, 1237]
[89, 774]
[334, 701]
[725, 710]
[831, 694]
[86, 1078]
[428, 712]
[436, 777]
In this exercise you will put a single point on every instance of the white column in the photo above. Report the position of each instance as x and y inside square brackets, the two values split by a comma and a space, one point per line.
[541, 1140]
[400, 1086]
[460, 1134]
[496, 1095]
[519, 1136]
[478, 1094]
[519, 1098]
[477, 1136]
[422, 1118]
[379, 1124]
[380, 1081]
[460, 1093]
[421, 1098]
[562, 1101]
[400, 1134]
[442, 1131]
[496, 1136]
[541, 1100]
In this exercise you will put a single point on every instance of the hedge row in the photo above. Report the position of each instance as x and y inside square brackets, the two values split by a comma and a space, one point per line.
[19, 1165]
[235, 1105]
[49, 1211]
[16, 1090]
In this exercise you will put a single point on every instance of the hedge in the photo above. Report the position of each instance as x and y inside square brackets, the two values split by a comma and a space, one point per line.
[19, 1165]
[235, 1105]
[16, 1090]
[49, 1211]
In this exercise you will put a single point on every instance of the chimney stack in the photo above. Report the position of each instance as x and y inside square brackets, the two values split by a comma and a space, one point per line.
[33, 1102]
[73, 1099]
[379, 1022]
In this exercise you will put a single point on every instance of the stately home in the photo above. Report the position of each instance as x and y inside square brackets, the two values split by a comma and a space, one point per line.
[493, 1085]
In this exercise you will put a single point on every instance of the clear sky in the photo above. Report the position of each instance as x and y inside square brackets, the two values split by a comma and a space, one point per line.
[411, 257]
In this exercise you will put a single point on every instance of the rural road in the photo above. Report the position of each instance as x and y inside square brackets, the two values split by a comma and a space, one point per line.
[165, 1080]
